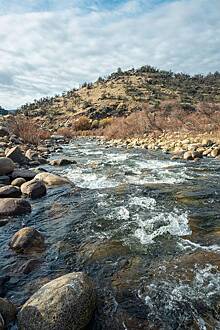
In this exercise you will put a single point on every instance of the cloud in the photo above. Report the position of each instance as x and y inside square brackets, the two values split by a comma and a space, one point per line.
[48, 51]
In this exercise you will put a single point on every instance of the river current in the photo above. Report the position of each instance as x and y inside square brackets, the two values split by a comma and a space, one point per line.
[145, 228]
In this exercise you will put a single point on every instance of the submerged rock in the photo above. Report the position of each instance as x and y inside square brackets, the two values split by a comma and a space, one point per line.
[52, 179]
[34, 189]
[10, 191]
[14, 206]
[27, 240]
[66, 303]
[6, 165]
[94, 252]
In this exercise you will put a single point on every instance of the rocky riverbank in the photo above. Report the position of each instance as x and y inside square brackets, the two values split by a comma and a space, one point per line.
[180, 146]
[21, 181]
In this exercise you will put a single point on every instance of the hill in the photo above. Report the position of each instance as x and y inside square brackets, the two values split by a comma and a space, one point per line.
[122, 93]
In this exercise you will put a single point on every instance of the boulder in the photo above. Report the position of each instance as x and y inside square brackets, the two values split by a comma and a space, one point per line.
[31, 155]
[7, 310]
[34, 189]
[25, 174]
[10, 191]
[4, 179]
[27, 240]
[14, 206]
[207, 142]
[197, 154]
[17, 156]
[4, 131]
[18, 182]
[51, 179]
[6, 165]
[188, 155]
[66, 303]
[215, 152]
[62, 162]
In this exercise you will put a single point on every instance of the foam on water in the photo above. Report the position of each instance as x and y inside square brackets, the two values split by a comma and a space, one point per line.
[90, 180]
[143, 202]
[182, 303]
[188, 245]
[173, 223]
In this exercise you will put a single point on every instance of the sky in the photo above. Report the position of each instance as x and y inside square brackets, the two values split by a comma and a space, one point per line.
[49, 46]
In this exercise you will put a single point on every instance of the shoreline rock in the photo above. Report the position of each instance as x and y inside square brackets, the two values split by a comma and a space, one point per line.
[27, 240]
[14, 206]
[66, 303]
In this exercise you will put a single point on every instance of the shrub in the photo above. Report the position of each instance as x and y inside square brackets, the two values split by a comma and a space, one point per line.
[82, 124]
[105, 122]
[95, 124]
[28, 130]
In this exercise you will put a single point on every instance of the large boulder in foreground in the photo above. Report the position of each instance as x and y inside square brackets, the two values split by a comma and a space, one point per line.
[10, 191]
[6, 165]
[27, 240]
[66, 303]
[14, 206]
[34, 189]
[51, 179]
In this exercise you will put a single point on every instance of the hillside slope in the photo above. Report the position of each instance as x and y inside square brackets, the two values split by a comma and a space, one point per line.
[122, 93]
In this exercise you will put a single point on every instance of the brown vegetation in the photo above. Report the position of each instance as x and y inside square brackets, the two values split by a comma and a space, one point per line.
[27, 129]
[150, 121]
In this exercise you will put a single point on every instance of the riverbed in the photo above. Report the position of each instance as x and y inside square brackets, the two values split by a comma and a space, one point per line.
[145, 228]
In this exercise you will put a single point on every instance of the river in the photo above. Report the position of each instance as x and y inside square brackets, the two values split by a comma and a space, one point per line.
[145, 228]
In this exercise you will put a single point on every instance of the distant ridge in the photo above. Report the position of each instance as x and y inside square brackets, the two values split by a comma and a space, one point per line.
[122, 93]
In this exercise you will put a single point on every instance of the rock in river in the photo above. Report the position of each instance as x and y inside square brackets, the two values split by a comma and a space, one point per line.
[66, 303]
[62, 162]
[34, 189]
[17, 155]
[52, 179]
[27, 240]
[14, 206]
[10, 191]
[25, 174]
[6, 165]
[18, 182]
[4, 131]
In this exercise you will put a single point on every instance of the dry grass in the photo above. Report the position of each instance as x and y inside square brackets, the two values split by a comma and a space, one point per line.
[206, 119]
[28, 130]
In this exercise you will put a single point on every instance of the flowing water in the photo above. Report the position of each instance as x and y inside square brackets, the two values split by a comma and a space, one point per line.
[146, 229]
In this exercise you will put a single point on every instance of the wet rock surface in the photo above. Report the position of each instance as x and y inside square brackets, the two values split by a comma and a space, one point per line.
[65, 303]
[6, 165]
[10, 191]
[14, 206]
[27, 240]
[34, 189]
